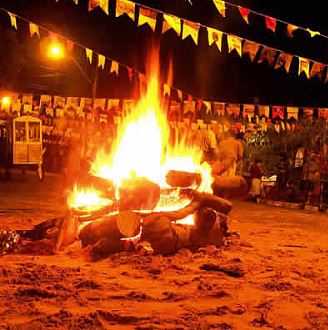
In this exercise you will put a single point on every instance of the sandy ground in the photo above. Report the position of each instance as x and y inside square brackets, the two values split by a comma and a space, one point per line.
[283, 254]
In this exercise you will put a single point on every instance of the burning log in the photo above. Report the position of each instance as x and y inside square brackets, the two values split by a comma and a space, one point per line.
[139, 194]
[230, 187]
[182, 179]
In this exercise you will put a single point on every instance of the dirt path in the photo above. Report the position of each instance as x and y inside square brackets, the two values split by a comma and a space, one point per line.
[283, 253]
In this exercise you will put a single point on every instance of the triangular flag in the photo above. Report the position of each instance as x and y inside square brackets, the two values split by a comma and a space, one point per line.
[101, 61]
[171, 22]
[125, 7]
[190, 29]
[278, 111]
[292, 112]
[313, 33]
[208, 106]
[284, 61]
[13, 20]
[304, 66]
[34, 29]
[264, 110]
[244, 12]
[220, 6]
[234, 43]
[130, 73]
[251, 48]
[179, 92]
[270, 23]
[248, 110]
[317, 70]
[147, 16]
[167, 90]
[214, 36]
[267, 54]
[290, 30]
[114, 67]
[89, 54]
[103, 4]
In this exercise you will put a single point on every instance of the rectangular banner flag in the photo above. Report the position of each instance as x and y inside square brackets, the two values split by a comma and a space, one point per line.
[214, 36]
[189, 106]
[317, 70]
[147, 16]
[234, 43]
[233, 110]
[304, 66]
[219, 108]
[278, 111]
[248, 111]
[264, 110]
[171, 22]
[284, 61]
[103, 4]
[267, 54]
[190, 29]
[308, 113]
[250, 48]
[323, 113]
[125, 7]
[292, 112]
[270, 23]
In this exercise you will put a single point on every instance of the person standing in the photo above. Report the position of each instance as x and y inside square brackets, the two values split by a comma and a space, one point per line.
[256, 172]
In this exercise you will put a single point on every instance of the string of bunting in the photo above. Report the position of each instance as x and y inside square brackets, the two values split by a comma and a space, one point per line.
[274, 57]
[112, 110]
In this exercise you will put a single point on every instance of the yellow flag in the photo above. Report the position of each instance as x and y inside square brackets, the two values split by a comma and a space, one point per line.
[190, 29]
[220, 6]
[147, 16]
[89, 54]
[103, 4]
[214, 36]
[304, 66]
[290, 30]
[34, 29]
[101, 61]
[114, 67]
[234, 43]
[171, 22]
[13, 20]
[313, 33]
[125, 7]
[179, 92]
[167, 90]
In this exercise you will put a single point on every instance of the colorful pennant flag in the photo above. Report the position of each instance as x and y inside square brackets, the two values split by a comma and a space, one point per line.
[313, 33]
[190, 29]
[89, 53]
[219, 108]
[323, 113]
[34, 29]
[130, 73]
[270, 23]
[125, 7]
[13, 20]
[220, 6]
[114, 67]
[248, 111]
[171, 22]
[264, 110]
[267, 54]
[166, 90]
[304, 66]
[103, 4]
[189, 106]
[147, 16]
[292, 112]
[101, 61]
[284, 61]
[290, 30]
[278, 111]
[317, 70]
[214, 36]
[234, 43]
[244, 12]
[250, 48]
[233, 110]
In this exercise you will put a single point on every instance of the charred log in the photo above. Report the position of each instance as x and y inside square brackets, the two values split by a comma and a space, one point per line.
[230, 187]
[182, 179]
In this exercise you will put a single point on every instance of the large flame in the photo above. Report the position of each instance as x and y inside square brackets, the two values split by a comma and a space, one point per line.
[143, 149]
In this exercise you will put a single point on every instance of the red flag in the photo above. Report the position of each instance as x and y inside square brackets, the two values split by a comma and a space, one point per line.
[244, 12]
[189, 97]
[130, 73]
[278, 111]
[270, 23]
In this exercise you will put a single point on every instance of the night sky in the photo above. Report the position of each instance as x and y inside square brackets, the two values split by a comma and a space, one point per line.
[200, 70]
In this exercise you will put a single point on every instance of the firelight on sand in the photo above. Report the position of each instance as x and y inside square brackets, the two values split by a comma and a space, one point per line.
[143, 149]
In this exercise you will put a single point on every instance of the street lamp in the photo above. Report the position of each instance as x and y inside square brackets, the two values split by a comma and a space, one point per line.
[55, 51]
